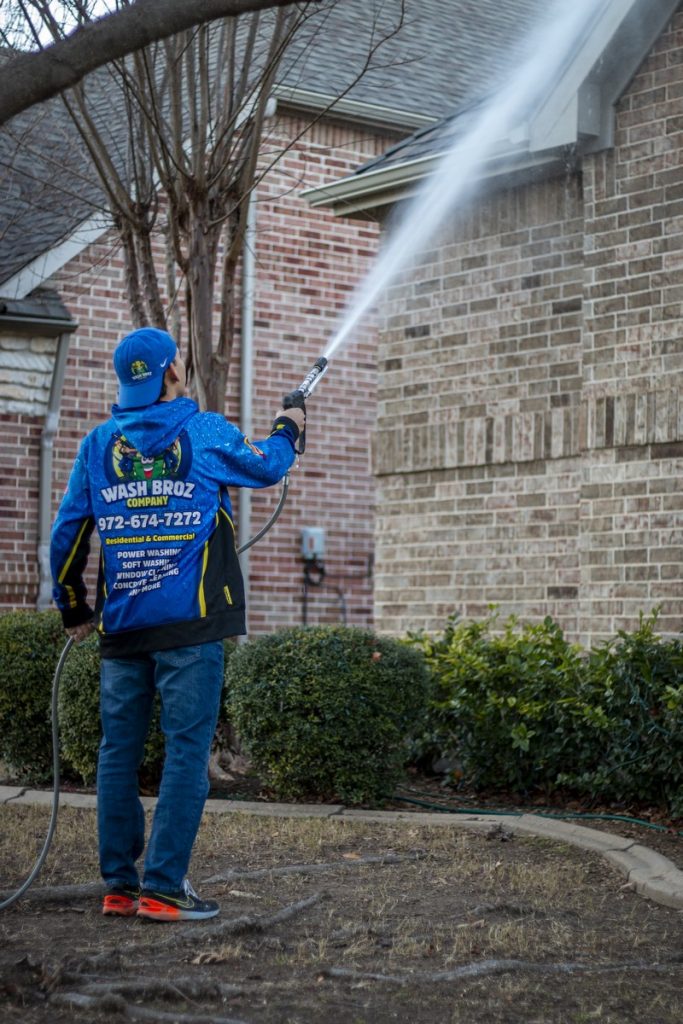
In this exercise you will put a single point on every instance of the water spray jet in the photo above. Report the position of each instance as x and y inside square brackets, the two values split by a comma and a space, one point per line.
[499, 119]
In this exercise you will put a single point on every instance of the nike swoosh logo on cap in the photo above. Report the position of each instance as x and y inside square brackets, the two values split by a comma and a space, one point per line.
[162, 365]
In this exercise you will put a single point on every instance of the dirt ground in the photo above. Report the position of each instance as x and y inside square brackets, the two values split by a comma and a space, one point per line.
[341, 922]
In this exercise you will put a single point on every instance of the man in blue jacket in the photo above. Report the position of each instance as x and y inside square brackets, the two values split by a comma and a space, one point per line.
[153, 480]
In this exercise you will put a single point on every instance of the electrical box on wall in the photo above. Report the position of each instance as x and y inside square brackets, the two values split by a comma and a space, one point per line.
[313, 543]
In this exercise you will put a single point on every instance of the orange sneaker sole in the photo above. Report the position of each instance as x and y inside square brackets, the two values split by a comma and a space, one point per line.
[157, 911]
[121, 906]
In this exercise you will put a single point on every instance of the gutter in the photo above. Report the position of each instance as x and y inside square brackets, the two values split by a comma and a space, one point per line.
[371, 114]
[388, 185]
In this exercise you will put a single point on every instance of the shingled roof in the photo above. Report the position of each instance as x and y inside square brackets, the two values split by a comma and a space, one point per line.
[576, 112]
[445, 53]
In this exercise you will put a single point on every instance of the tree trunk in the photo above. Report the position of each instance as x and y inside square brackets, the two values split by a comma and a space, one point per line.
[201, 276]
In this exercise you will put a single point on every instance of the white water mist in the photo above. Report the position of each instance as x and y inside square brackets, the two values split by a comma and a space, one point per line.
[456, 173]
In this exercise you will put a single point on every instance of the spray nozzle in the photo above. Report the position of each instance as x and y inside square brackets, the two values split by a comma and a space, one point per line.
[297, 399]
[311, 379]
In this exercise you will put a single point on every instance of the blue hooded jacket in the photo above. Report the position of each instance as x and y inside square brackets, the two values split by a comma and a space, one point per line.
[154, 482]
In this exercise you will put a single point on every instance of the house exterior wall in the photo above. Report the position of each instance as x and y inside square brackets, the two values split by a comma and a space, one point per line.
[307, 265]
[529, 442]
[26, 365]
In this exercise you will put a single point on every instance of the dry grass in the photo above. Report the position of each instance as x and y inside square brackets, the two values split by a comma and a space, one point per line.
[467, 899]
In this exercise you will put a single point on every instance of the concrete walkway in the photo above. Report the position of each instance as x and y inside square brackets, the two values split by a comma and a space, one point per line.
[648, 872]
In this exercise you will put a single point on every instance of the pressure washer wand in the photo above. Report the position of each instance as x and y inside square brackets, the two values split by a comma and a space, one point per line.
[297, 399]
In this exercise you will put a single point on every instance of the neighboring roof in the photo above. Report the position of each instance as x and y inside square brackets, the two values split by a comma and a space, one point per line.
[45, 190]
[445, 52]
[577, 112]
[43, 313]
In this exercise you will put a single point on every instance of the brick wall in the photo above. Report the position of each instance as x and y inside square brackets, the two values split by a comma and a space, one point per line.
[529, 441]
[19, 467]
[631, 496]
[307, 265]
[478, 488]
[26, 365]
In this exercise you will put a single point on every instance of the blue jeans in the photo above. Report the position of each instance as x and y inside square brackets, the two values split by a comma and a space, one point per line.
[189, 681]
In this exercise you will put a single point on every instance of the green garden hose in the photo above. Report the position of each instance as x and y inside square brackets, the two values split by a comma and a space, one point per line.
[539, 814]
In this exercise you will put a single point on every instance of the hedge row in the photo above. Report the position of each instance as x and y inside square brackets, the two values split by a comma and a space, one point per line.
[325, 712]
[30, 646]
[335, 712]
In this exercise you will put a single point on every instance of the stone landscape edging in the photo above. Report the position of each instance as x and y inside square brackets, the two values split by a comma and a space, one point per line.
[647, 872]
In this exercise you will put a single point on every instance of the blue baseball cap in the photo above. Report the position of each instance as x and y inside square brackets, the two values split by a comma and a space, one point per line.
[141, 360]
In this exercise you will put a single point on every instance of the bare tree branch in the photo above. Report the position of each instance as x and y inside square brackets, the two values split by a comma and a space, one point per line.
[131, 1011]
[175, 135]
[30, 78]
[486, 968]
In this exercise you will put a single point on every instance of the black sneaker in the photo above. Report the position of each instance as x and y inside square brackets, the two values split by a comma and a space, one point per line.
[184, 905]
[122, 901]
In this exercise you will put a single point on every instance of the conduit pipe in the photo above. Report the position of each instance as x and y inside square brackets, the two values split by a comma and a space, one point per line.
[247, 377]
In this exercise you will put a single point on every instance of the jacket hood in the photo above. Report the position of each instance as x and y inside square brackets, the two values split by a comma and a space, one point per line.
[153, 428]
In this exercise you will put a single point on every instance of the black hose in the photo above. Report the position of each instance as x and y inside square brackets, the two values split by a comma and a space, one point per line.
[273, 518]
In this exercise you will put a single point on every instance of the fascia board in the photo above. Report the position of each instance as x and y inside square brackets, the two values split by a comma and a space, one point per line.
[41, 269]
[372, 182]
[45, 327]
[556, 122]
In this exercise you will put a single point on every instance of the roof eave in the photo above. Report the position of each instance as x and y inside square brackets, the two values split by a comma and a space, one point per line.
[44, 315]
[385, 186]
[578, 112]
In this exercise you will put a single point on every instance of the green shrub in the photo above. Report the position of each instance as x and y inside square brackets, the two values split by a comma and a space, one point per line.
[325, 711]
[30, 643]
[508, 706]
[79, 716]
[522, 709]
[637, 678]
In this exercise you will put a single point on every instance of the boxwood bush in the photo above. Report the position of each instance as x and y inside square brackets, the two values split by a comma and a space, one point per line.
[30, 644]
[79, 716]
[325, 712]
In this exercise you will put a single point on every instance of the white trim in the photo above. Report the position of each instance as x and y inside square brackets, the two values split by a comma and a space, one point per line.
[48, 263]
[356, 191]
[371, 181]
